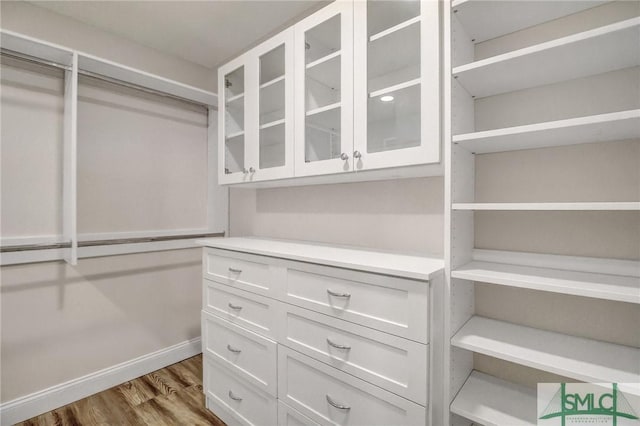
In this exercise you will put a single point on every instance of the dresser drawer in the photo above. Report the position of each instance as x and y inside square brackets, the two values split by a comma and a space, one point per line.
[329, 396]
[248, 354]
[393, 305]
[243, 271]
[247, 404]
[287, 416]
[251, 311]
[393, 363]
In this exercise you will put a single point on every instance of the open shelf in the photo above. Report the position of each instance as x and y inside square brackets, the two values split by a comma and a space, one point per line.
[575, 282]
[479, 17]
[575, 357]
[608, 127]
[487, 400]
[578, 206]
[144, 79]
[35, 48]
[562, 59]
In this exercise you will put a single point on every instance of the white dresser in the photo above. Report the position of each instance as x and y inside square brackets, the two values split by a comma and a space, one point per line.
[297, 333]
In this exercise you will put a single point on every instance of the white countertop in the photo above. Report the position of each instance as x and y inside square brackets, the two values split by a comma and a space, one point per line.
[408, 266]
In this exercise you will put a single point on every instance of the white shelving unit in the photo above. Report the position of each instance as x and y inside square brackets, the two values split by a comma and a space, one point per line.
[489, 86]
[575, 357]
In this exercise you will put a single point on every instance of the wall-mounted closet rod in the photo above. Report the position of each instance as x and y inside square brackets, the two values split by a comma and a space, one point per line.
[109, 242]
[141, 88]
[33, 59]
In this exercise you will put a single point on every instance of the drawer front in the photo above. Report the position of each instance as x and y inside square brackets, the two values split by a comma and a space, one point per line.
[248, 354]
[393, 305]
[332, 397]
[393, 363]
[253, 312]
[247, 404]
[287, 416]
[239, 270]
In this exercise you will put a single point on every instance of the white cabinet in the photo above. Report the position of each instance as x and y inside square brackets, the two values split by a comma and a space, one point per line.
[362, 340]
[397, 94]
[324, 91]
[255, 104]
[365, 96]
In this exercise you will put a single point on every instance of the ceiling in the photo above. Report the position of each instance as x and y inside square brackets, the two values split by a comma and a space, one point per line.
[205, 32]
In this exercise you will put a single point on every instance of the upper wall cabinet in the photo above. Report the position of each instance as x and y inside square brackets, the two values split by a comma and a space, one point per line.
[256, 113]
[353, 87]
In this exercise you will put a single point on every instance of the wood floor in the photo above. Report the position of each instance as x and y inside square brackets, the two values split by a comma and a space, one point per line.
[171, 396]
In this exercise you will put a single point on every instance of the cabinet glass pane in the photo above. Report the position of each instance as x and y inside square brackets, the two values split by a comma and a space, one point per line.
[272, 147]
[394, 120]
[234, 117]
[322, 136]
[272, 86]
[272, 65]
[322, 40]
[384, 14]
[394, 58]
[234, 154]
[323, 84]
[234, 83]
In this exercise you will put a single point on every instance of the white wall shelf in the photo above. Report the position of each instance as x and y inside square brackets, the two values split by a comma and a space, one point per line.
[613, 126]
[480, 23]
[489, 401]
[144, 79]
[577, 206]
[601, 286]
[575, 357]
[565, 58]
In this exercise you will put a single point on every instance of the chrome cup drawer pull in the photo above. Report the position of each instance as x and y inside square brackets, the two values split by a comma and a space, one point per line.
[338, 346]
[234, 270]
[336, 294]
[337, 404]
[235, 307]
[235, 398]
[234, 350]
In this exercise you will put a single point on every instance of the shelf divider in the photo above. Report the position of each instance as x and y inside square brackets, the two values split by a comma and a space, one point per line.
[487, 400]
[575, 357]
[615, 126]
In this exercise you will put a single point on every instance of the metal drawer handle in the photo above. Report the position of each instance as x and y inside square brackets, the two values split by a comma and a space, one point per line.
[336, 404]
[333, 293]
[234, 270]
[235, 307]
[338, 346]
[235, 398]
[234, 350]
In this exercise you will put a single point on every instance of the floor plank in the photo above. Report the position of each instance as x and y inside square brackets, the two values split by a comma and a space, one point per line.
[167, 397]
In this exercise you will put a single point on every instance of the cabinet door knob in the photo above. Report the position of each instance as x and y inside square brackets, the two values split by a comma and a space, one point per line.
[337, 404]
[344, 156]
[357, 154]
[252, 170]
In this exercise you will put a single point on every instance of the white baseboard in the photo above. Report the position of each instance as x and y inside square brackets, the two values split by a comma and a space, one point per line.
[28, 406]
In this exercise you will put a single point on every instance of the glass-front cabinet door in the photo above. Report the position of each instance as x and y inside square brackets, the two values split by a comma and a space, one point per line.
[273, 59]
[397, 93]
[232, 108]
[324, 91]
